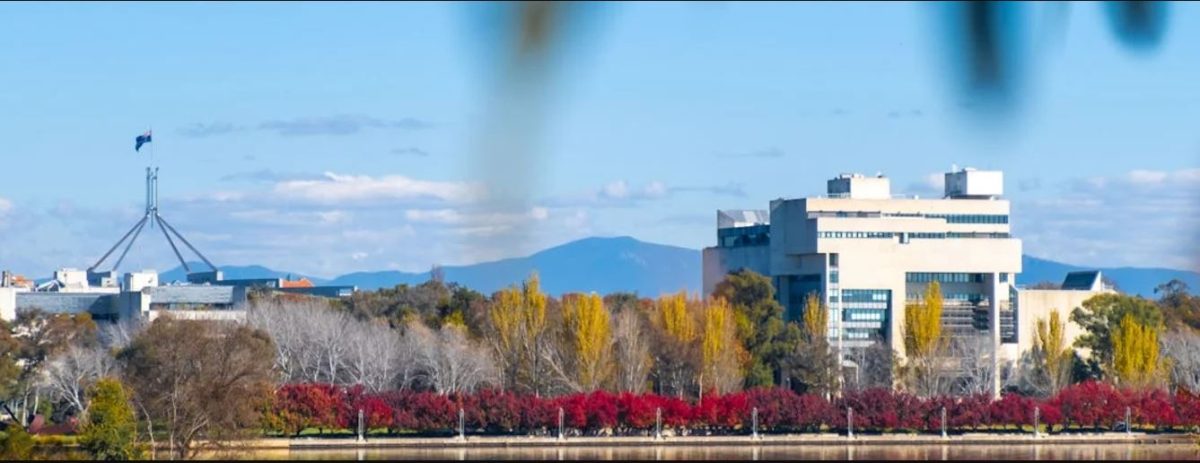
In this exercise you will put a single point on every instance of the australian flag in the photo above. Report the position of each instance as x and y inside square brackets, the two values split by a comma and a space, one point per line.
[141, 140]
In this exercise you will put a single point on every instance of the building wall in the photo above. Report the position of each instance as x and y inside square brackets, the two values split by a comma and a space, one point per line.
[720, 261]
[8, 304]
[1034, 304]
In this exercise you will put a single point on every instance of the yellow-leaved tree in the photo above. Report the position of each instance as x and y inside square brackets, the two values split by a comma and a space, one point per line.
[588, 325]
[923, 324]
[721, 370]
[1136, 361]
[676, 320]
[816, 319]
[1050, 348]
[517, 319]
[924, 342]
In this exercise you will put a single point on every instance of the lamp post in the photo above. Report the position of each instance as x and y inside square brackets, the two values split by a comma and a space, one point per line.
[560, 423]
[462, 424]
[1037, 411]
[754, 423]
[849, 422]
[360, 425]
[658, 423]
[944, 422]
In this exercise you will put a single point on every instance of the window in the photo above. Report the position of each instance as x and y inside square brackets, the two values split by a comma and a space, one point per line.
[833, 260]
[1004, 278]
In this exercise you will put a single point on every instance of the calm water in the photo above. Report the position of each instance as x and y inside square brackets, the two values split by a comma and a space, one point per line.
[748, 452]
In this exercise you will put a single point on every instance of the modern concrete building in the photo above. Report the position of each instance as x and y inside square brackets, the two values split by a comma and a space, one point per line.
[140, 296]
[868, 253]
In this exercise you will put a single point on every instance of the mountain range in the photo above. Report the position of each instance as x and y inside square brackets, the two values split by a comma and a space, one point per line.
[607, 265]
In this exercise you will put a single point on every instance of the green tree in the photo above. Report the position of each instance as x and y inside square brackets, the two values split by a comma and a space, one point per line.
[768, 338]
[15, 444]
[813, 365]
[110, 432]
[1101, 315]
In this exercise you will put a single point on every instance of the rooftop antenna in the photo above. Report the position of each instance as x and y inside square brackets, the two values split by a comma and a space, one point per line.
[151, 217]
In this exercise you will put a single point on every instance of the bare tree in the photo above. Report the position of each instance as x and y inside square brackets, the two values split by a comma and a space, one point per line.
[450, 362]
[375, 355]
[976, 373]
[117, 335]
[69, 374]
[872, 367]
[631, 351]
[1183, 350]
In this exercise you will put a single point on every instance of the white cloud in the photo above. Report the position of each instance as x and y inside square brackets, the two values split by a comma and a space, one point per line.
[5, 206]
[337, 188]
[615, 190]
[1141, 218]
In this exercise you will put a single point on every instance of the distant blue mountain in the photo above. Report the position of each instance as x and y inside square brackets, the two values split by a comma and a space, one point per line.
[1129, 279]
[607, 265]
[603, 265]
[233, 272]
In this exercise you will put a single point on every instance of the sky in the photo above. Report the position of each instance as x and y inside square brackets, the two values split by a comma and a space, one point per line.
[325, 138]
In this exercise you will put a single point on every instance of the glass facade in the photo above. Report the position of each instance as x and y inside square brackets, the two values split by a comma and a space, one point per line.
[754, 235]
[865, 313]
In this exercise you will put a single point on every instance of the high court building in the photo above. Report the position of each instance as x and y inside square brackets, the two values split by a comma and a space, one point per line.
[868, 253]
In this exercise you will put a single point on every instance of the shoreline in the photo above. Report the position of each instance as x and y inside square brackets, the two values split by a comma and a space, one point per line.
[322, 443]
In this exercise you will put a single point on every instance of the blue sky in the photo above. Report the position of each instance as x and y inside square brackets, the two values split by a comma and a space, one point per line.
[329, 138]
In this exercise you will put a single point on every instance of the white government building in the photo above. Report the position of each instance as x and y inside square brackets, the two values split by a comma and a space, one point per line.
[867, 253]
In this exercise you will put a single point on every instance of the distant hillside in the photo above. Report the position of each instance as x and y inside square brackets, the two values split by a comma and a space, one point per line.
[1130, 280]
[603, 265]
[607, 265]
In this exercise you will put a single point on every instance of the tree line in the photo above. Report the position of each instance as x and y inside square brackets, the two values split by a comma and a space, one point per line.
[189, 382]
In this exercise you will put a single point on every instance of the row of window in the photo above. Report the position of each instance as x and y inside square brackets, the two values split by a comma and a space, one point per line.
[944, 277]
[918, 235]
[950, 218]
[971, 218]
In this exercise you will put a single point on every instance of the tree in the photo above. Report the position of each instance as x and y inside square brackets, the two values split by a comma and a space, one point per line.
[200, 379]
[1179, 308]
[1182, 348]
[924, 343]
[1101, 315]
[1051, 353]
[720, 349]
[15, 444]
[813, 364]
[923, 324]
[110, 430]
[1135, 356]
[631, 351]
[40, 336]
[517, 325]
[69, 374]
[448, 361]
[590, 336]
[676, 358]
[761, 325]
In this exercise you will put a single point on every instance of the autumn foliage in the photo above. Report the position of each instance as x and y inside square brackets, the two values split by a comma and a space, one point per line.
[1086, 406]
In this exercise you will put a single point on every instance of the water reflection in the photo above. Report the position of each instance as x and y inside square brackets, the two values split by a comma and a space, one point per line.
[761, 452]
